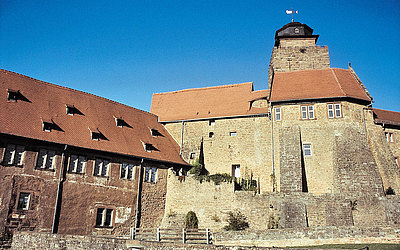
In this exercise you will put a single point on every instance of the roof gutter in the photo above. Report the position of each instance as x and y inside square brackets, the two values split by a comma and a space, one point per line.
[319, 98]
[215, 118]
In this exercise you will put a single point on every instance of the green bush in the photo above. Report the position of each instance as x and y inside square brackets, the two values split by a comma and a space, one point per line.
[237, 221]
[191, 221]
[216, 178]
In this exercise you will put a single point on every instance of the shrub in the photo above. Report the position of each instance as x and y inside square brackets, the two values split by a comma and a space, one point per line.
[390, 191]
[216, 178]
[237, 221]
[197, 168]
[191, 221]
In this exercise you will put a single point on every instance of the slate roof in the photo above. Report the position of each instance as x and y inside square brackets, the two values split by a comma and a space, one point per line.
[316, 84]
[210, 102]
[40, 102]
[386, 117]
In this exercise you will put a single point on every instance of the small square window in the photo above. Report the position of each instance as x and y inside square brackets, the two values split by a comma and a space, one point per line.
[192, 155]
[211, 122]
[307, 149]
[211, 135]
[96, 136]
[278, 114]
[23, 201]
[104, 217]
[232, 133]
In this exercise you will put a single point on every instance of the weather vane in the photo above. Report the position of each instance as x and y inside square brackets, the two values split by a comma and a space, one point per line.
[291, 12]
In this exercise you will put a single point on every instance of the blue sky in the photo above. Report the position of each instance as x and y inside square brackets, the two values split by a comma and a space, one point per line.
[128, 50]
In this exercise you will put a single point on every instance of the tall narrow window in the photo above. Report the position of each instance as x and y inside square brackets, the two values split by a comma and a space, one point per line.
[396, 159]
[389, 137]
[77, 164]
[23, 201]
[127, 171]
[150, 174]
[338, 111]
[101, 167]
[236, 171]
[311, 112]
[46, 159]
[307, 149]
[304, 112]
[330, 111]
[14, 154]
[278, 115]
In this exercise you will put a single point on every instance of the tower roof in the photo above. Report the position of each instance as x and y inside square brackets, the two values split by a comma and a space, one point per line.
[294, 30]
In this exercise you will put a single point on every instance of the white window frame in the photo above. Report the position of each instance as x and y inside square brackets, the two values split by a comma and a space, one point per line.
[101, 167]
[307, 148]
[104, 217]
[331, 111]
[304, 112]
[278, 113]
[46, 159]
[127, 171]
[150, 174]
[311, 113]
[338, 107]
[14, 155]
[77, 162]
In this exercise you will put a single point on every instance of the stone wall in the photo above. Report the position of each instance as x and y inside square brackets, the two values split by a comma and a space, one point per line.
[301, 56]
[211, 203]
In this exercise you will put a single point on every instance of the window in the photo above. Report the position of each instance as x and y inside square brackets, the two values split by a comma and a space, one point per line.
[307, 112]
[278, 115]
[96, 136]
[12, 95]
[211, 122]
[148, 147]
[47, 126]
[77, 163]
[338, 111]
[155, 133]
[71, 110]
[232, 133]
[396, 159]
[307, 149]
[334, 110]
[211, 134]
[14, 154]
[127, 171]
[101, 167]
[23, 201]
[150, 174]
[192, 155]
[236, 171]
[104, 217]
[46, 159]
[389, 137]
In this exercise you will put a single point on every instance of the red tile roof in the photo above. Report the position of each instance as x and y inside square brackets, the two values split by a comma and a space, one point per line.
[47, 102]
[387, 117]
[211, 102]
[316, 84]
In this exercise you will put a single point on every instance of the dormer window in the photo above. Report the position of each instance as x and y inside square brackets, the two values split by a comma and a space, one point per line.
[120, 123]
[148, 147]
[155, 132]
[71, 110]
[47, 125]
[12, 95]
[96, 136]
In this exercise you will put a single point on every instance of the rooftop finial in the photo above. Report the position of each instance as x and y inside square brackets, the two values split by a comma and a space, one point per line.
[291, 12]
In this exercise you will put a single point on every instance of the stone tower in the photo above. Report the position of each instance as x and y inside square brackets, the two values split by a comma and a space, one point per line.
[295, 49]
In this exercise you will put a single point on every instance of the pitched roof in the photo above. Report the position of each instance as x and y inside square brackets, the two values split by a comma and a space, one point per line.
[210, 102]
[45, 102]
[386, 117]
[316, 84]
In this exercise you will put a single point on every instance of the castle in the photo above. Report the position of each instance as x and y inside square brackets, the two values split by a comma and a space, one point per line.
[317, 151]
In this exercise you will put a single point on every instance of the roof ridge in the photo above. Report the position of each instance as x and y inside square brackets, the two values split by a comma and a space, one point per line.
[211, 87]
[73, 90]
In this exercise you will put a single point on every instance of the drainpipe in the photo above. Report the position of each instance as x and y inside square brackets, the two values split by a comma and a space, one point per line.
[139, 192]
[272, 148]
[57, 207]
[365, 125]
[180, 152]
